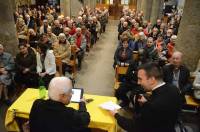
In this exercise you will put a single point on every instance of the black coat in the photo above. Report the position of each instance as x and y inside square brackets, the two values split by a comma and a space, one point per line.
[184, 77]
[53, 116]
[159, 114]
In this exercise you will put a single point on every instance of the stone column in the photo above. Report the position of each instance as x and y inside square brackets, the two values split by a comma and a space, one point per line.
[146, 6]
[93, 4]
[139, 5]
[7, 27]
[155, 10]
[75, 7]
[65, 7]
[188, 41]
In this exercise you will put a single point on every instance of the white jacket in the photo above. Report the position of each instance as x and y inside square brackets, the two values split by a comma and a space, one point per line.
[49, 63]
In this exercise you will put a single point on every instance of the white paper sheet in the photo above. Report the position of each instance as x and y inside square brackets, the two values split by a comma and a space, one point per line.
[109, 106]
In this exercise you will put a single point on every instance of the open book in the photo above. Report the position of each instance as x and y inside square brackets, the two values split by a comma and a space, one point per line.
[109, 106]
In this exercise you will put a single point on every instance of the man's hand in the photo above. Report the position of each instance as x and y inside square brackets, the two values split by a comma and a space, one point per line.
[113, 112]
[142, 99]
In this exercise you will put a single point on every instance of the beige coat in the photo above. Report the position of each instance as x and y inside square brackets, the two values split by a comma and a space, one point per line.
[63, 51]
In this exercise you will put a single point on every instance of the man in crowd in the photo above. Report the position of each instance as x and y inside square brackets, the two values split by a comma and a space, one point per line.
[80, 41]
[6, 68]
[178, 74]
[53, 116]
[159, 113]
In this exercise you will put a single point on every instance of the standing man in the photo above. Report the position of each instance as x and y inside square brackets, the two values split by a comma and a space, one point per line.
[160, 112]
[53, 115]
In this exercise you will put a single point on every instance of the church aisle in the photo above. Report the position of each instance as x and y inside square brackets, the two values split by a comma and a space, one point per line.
[97, 73]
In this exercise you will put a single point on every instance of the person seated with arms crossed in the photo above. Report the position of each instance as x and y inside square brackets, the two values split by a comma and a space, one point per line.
[177, 74]
[53, 116]
[160, 112]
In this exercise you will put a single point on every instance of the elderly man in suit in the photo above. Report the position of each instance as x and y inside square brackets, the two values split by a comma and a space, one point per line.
[159, 113]
[53, 116]
[178, 74]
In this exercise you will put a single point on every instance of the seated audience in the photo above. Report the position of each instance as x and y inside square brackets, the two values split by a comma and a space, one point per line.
[171, 46]
[6, 69]
[80, 41]
[21, 29]
[43, 28]
[33, 38]
[45, 40]
[177, 74]
[57, 29]
[63, 50]
[150, 53]
[159, 113]
[123, 54]
[46, 66]
[26, 68]
[52, 37]
[53, 115]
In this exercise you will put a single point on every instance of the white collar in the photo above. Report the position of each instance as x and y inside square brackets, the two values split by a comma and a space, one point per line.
[158, 85]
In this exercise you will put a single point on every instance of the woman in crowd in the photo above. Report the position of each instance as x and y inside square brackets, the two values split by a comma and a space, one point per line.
[46, 66]
[123, 54]
[63, 51]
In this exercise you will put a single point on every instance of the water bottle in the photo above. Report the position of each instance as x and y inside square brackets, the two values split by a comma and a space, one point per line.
[42, 89]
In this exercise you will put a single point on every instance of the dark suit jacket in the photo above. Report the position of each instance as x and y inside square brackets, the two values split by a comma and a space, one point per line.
[159, 114]
[53, 116]
[184, 76]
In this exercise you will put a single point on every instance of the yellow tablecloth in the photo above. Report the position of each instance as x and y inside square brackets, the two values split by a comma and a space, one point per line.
[99, 118]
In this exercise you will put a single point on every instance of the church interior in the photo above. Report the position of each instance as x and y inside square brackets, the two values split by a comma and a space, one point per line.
[100, 45]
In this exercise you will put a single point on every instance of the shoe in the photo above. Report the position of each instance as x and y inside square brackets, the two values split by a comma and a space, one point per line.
[8, 102]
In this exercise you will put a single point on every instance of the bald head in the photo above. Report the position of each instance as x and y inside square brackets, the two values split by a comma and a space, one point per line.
[177, 58]
[60, 89]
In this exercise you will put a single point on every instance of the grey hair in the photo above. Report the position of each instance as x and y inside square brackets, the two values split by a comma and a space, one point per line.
[1, 46]
[58, 86]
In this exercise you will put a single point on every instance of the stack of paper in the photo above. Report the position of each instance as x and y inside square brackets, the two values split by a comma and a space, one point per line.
[109, 106]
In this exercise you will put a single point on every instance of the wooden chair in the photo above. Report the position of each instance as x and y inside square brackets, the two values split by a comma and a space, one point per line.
[59, 64]
[119, 70]
[73, 60]
[135, 55]
[192, 104]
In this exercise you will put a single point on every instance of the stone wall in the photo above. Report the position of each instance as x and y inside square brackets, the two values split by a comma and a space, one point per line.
[188, 40]
[7, 27]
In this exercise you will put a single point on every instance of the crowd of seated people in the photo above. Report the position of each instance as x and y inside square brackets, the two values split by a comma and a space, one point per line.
[154, 44]
[44, 36]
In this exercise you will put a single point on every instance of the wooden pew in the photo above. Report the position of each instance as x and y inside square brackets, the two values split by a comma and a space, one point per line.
[119, 70]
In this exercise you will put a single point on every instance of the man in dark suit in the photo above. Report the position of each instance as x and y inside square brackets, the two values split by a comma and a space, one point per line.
[53, 116]
[178, 74]
[160, 112]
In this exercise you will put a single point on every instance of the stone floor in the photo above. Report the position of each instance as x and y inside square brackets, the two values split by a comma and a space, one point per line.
[97, 74]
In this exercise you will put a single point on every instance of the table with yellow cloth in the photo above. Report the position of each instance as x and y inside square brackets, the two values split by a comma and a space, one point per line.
[100, 118]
